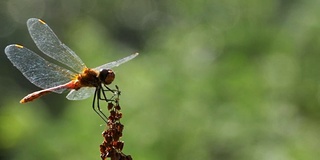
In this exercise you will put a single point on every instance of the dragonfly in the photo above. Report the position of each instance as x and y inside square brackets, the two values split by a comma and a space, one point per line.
[68, 73]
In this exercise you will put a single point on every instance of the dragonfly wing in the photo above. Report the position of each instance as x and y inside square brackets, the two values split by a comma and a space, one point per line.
[82, 93]
[36, 69]
[116, 63]
[49, 44]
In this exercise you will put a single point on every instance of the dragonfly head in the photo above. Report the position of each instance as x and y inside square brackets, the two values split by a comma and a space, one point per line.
[106, 76]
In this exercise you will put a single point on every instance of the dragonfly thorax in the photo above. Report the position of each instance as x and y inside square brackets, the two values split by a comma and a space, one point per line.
[88, 78]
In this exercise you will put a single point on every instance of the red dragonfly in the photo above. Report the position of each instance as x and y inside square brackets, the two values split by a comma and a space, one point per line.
[82, 81]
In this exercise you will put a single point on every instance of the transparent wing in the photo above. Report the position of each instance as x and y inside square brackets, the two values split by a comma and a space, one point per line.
[36, 69]
[116, 63]
[49, 44]
[86, 92]
[82, 93]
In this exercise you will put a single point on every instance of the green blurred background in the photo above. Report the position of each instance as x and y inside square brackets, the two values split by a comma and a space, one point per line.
[214, 79]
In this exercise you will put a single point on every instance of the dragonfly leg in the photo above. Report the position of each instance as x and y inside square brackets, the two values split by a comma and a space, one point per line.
[97, 97]
[98, 101]
[116, 92]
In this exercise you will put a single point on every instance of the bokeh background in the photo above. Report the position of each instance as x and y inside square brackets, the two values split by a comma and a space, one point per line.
[214, 79]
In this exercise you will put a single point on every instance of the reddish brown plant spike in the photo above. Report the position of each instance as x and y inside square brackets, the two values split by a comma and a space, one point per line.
[119, 115]
[116, 137]
[112, 146]
[119, 127]
[103, 156]
[112, 113]
[108, 139]
[102, 148]
[117, 107]
[110, 106]
[103, 153]
[114, 143]
[113, 155]
[116, 118]
[104, 133]
[120, 145]
[110, 120]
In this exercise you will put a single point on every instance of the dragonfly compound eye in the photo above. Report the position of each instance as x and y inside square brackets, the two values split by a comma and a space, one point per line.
[106, 76]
